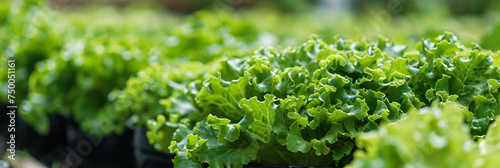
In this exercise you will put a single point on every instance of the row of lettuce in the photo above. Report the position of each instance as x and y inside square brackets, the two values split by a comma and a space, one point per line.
[206, 97]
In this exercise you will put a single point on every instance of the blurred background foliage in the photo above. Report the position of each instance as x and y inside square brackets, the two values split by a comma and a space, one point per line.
[406, 21]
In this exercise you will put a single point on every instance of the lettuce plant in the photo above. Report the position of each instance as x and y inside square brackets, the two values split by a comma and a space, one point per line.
[430, 137]
[76, 83]
[28, 37]
[139, 101]
[300, 106]
[306, 105]
[445, 70]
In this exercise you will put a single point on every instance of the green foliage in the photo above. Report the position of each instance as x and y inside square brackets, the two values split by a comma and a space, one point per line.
[206, 36]
[27, 37]
[491, 38]
[306, 104]
[446, 71]
[430, 137]
[77, 82]
[139, 101]
[86, 78]
[206, 98]
[305, 101]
